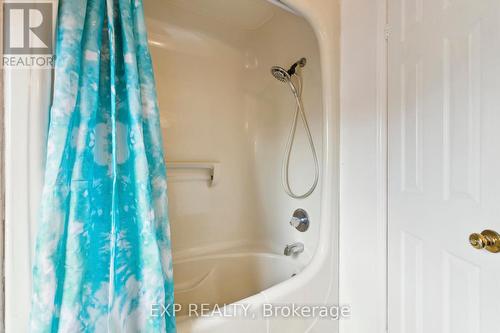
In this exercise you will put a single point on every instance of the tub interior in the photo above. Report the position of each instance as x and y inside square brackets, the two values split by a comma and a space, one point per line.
[223, 279]
[220, 104]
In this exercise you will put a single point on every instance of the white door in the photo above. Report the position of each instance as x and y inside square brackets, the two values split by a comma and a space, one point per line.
[444, 165]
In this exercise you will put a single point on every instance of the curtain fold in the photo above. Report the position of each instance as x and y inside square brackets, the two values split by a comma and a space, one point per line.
[102, 259]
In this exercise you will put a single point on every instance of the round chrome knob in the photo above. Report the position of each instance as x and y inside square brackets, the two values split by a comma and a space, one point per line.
[300, 220]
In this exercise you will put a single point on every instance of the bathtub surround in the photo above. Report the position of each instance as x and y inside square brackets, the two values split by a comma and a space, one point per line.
[220, 103]
[103, 246]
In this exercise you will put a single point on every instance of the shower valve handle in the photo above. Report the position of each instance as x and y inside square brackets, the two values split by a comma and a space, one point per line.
[296, 221]
[300, 220]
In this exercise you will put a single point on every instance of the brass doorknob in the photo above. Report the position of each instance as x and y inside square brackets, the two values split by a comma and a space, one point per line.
[488, 239]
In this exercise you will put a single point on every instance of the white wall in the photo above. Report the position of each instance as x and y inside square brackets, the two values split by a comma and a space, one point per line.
[363, 165]
[27, 94]
[199, 71]
[26, 110]
[219, 102]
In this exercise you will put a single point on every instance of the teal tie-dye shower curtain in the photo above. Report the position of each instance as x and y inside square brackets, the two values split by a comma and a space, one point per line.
[102, 259]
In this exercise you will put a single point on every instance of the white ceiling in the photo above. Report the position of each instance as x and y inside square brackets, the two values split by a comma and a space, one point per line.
[240, 14]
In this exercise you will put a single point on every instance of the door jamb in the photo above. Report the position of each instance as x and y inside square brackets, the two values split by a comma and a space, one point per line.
[383, 33]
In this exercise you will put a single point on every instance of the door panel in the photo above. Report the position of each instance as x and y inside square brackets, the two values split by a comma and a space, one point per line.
[444, 164]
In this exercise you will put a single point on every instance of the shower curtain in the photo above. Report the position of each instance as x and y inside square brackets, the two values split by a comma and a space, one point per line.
[102, 260]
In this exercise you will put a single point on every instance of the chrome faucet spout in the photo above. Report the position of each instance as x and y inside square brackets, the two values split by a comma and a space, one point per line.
[294, 249]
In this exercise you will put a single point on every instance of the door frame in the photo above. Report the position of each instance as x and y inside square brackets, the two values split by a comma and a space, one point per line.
[364, 165]
[2, 183]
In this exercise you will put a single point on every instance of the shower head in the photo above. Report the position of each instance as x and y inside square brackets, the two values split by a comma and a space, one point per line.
[280, 74]
[284, 75]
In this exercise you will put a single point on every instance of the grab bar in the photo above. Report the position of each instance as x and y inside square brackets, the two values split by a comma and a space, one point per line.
[212, 167]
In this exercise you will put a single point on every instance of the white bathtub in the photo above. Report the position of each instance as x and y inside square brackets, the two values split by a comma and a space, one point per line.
[226, 281]
[222, 279]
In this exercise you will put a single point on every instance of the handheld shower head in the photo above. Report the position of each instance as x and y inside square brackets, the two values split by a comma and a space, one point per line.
[280, 74]
[284, 75]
